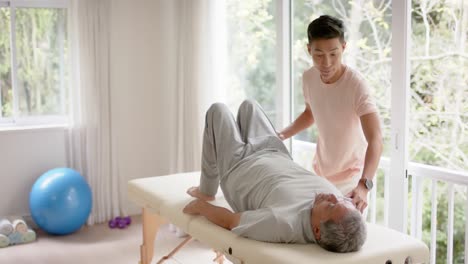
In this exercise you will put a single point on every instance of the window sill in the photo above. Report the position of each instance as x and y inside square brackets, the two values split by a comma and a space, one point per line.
[31, 128]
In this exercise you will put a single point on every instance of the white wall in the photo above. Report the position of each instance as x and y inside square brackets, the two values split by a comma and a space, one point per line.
[24, 155]
[142, 49]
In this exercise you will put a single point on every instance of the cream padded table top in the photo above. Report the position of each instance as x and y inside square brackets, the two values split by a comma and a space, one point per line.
[166, 196]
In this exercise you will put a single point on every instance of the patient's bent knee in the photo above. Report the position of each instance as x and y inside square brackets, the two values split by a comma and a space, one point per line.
[247, 104]
[217, 107]
[216, 112]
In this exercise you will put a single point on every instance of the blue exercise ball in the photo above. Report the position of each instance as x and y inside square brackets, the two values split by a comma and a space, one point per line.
[60, 201]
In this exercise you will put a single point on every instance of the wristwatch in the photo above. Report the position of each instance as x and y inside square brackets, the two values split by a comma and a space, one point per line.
[367, 183]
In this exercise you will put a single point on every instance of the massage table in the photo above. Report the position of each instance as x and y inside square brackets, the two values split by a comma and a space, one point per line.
[162, 199]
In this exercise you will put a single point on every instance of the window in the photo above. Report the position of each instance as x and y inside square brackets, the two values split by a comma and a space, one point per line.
[251, 67]
[438, 118]
[33, 62]
[439, 84]
[368, 49]
[433, 183]
[368, 36]
[6, 93]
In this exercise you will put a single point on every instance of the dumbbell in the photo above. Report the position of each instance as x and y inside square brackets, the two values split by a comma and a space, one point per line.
[120, 222]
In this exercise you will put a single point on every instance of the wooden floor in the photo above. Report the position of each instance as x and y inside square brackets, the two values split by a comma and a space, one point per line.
[100, 244]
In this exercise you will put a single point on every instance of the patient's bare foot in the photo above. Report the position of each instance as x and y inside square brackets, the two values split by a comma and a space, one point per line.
[195, 192]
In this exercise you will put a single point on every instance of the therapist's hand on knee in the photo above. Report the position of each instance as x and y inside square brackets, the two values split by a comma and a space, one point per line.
[280, 135]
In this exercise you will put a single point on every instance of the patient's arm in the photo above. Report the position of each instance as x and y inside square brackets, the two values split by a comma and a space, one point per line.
[195, 192]
[215, 214]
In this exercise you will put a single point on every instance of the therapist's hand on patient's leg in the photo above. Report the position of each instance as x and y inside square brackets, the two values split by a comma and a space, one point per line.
[195, 192]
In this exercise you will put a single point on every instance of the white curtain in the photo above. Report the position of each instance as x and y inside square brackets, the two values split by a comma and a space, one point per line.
[199, 76]
[91, 143]
[181, 40]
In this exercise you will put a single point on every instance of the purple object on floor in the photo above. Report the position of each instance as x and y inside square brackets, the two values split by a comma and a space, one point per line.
[113, 223]
[128, 220]
[122, 224]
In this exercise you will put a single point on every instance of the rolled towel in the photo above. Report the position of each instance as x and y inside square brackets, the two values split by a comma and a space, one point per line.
[4, 241]
[15, 238]
[29, 236]
[20, 226]
[6, 228]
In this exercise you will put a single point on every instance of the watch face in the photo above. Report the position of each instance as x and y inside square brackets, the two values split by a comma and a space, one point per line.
[369, 184]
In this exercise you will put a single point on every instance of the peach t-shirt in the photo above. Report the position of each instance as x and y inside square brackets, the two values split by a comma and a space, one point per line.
[337, 108]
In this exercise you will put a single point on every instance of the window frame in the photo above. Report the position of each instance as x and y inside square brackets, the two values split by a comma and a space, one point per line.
[401, 22]
[400, 79]
[284, 67]
[15, 119]
[36, 3]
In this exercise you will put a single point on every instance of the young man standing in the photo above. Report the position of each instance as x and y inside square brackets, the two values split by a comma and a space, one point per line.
[337, 100]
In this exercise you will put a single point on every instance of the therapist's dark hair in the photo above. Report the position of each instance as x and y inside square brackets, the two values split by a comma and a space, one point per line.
[326, 27]
[347, 235]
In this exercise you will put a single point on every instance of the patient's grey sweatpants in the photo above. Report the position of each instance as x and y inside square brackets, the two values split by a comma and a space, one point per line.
[226, 142]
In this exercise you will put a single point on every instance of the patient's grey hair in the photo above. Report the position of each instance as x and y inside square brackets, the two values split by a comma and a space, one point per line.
[347, 235]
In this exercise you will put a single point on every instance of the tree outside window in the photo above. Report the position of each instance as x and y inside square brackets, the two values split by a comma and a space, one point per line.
[438, 119]
[41, 62]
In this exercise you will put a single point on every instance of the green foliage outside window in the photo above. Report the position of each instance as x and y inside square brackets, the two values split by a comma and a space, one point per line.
[41, 61]
[5, 66]
[438, 116]
[252, 53]
[439, 107]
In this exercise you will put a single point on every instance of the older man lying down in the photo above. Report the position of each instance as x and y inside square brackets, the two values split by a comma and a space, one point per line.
[273, 198]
